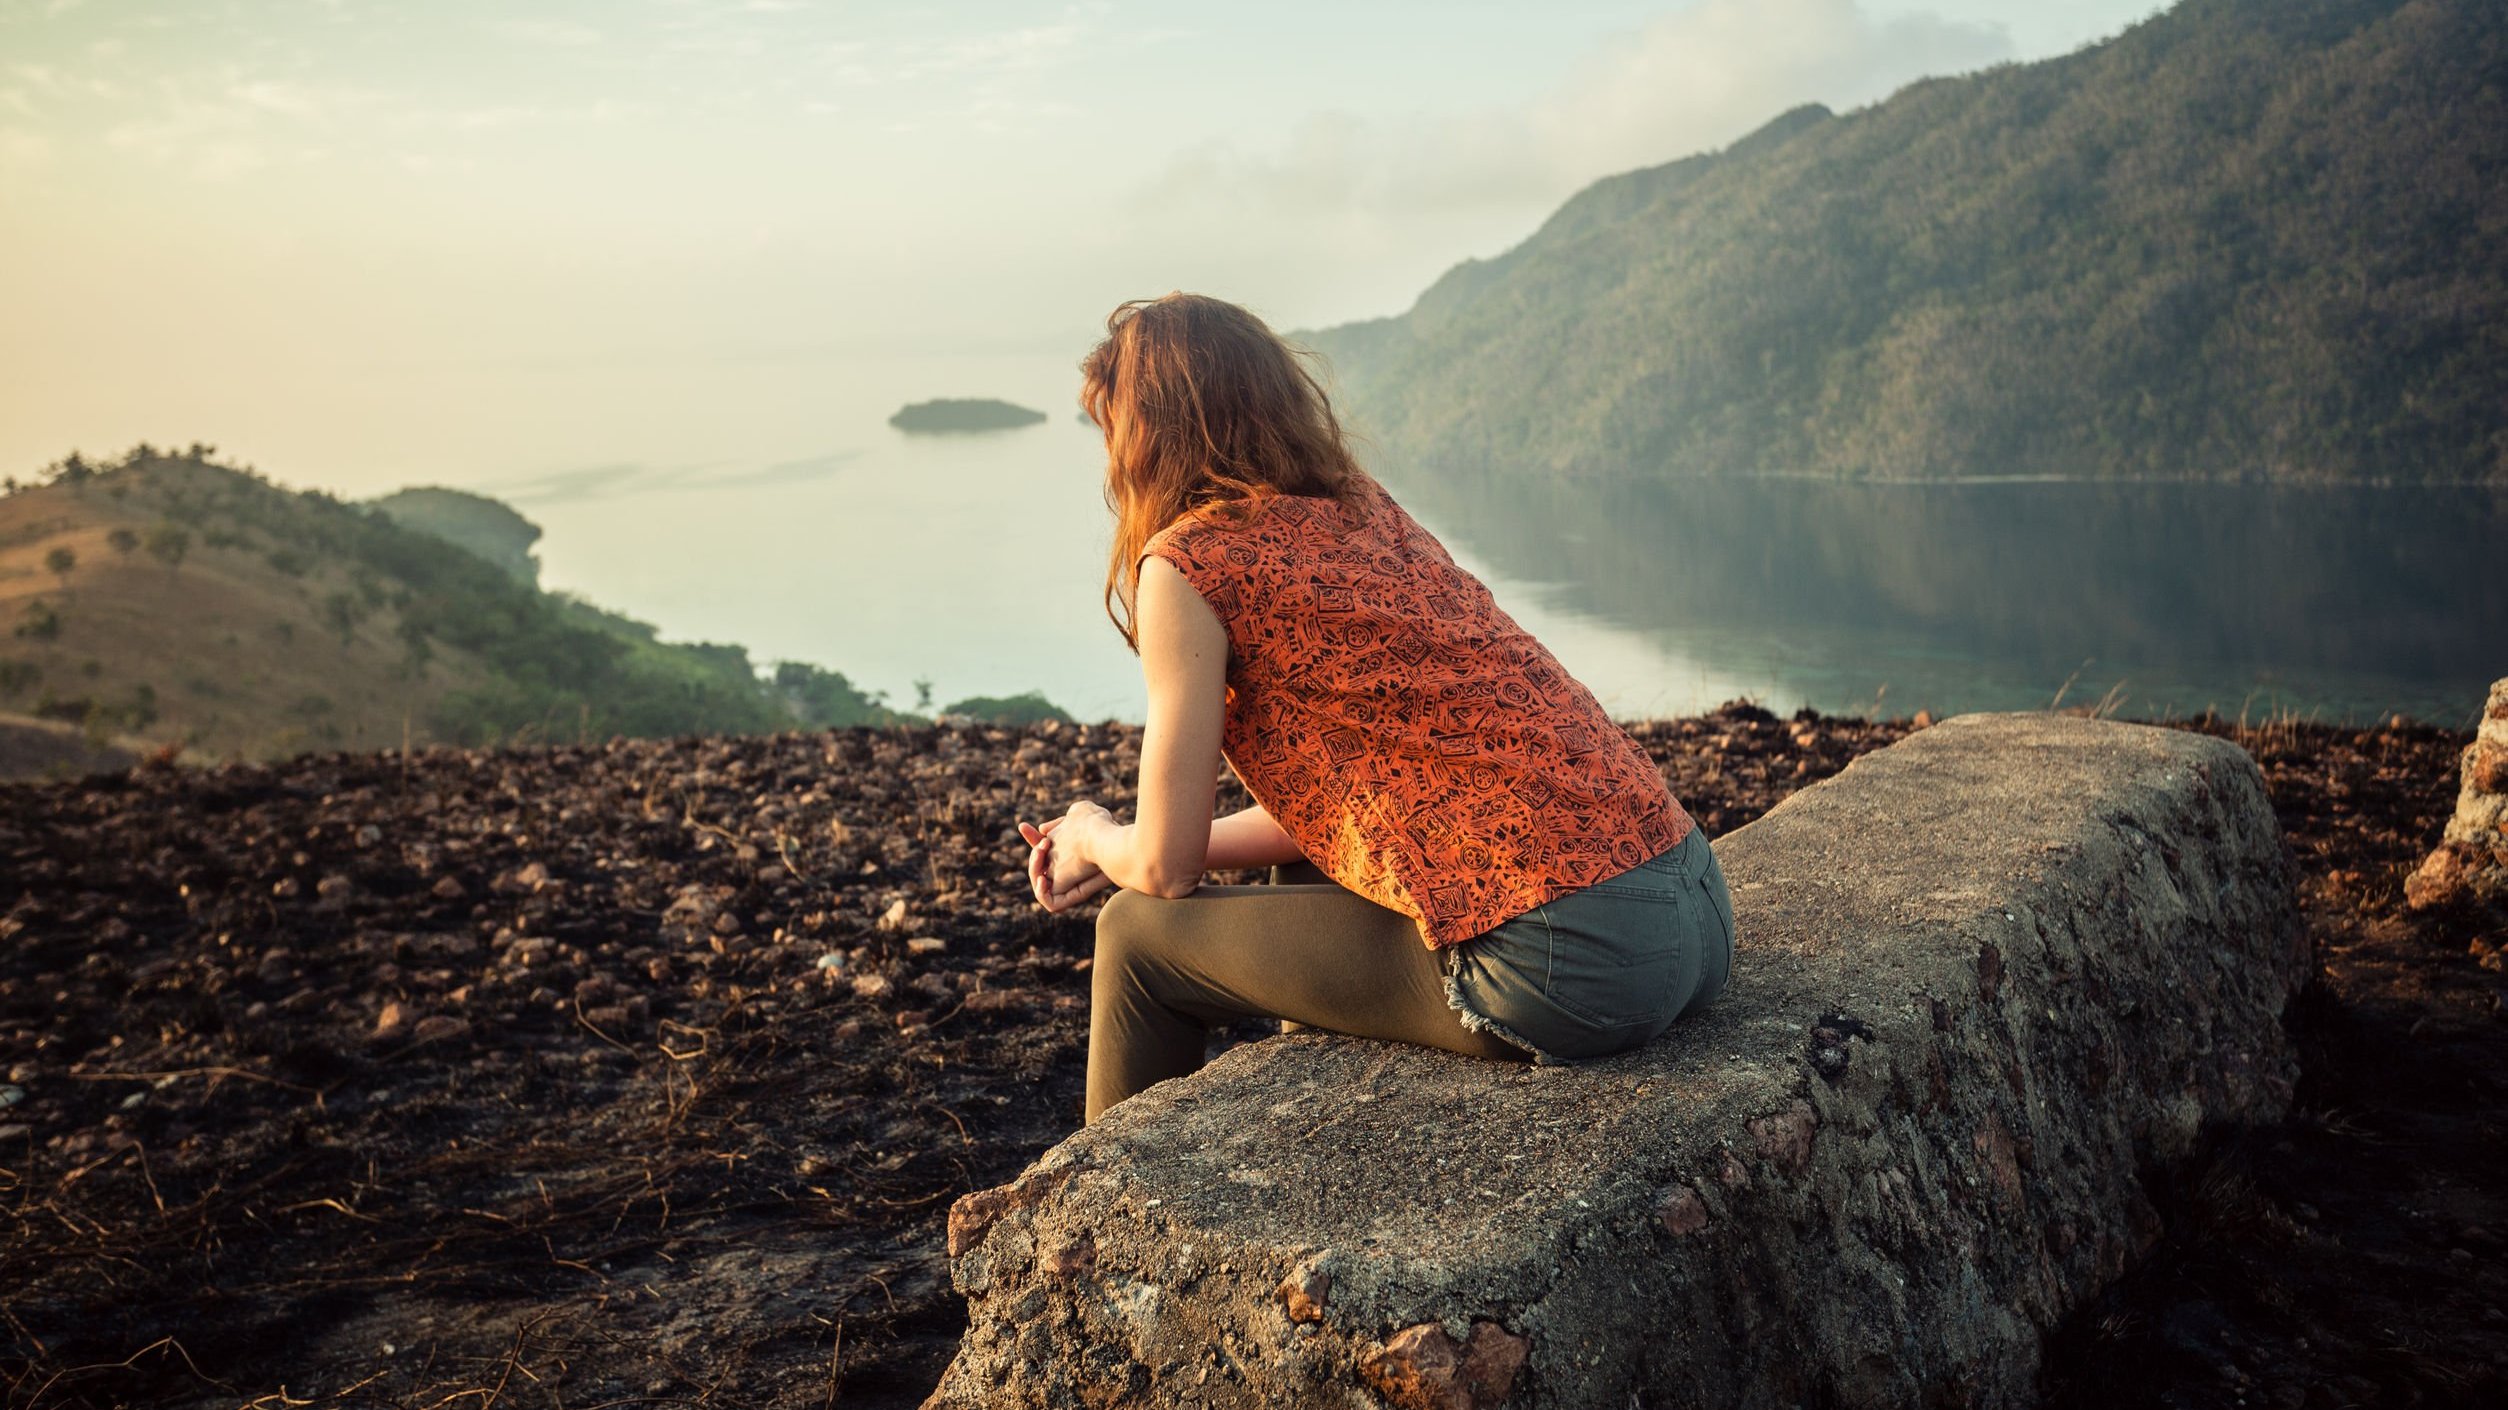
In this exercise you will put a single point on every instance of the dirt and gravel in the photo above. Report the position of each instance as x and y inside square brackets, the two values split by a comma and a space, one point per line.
[645, 1074]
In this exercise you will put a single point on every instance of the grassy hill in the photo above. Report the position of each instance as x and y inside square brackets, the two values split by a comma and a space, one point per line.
[2245, 238]
[167, 599]
[488, 528]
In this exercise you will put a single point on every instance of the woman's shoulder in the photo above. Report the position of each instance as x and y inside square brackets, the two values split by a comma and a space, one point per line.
[1185, 533]
[1271, 525]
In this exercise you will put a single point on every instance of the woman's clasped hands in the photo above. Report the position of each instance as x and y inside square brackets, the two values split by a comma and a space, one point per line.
[1059, 869]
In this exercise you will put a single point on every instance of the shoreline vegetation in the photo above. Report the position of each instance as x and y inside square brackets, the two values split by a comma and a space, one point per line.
[166, 600]
[642, 1067]
[960, 415]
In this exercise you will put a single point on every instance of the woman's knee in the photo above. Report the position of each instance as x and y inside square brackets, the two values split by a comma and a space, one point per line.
[1117, 925]
[1131, 929]
[1137, 952]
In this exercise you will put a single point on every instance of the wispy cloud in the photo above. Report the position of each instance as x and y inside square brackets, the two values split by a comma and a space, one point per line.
[1013, 51]
[562, 34]
[221, 125]
[285, 99]
[1692, 81]
[53, 84]
[22, 11]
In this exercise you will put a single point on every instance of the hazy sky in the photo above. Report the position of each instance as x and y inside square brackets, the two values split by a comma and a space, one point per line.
[362, 243]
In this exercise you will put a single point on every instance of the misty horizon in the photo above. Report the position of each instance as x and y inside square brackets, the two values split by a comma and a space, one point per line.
[368, 249]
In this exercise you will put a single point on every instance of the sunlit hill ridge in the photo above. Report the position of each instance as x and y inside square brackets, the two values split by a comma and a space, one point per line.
[164, 599]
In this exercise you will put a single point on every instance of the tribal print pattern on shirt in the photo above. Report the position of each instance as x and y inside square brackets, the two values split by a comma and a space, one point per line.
[1418, 746]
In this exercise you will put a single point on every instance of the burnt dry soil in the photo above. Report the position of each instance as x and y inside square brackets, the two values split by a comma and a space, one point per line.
[645, 1074]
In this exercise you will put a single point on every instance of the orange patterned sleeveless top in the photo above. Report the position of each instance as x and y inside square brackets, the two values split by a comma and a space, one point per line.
[1418, 746]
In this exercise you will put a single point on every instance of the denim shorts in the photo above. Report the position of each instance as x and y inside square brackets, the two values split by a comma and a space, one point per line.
[1604, 968]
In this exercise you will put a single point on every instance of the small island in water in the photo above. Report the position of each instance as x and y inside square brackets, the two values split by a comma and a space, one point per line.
[949, 414]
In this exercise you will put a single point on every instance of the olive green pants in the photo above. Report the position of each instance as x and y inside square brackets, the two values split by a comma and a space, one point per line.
[1316, 956]
[1596, 971]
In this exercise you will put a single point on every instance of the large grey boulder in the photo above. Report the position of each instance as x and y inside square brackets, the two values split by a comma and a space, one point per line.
[1988, 977]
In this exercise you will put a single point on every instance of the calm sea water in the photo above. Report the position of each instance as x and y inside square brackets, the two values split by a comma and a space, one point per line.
[2160, 599]
[976, 563]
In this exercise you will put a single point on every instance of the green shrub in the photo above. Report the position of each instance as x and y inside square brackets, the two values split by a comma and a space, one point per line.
[40, 622]
[1028, 708]
[168, 543]
[822, 699]
[342, 612]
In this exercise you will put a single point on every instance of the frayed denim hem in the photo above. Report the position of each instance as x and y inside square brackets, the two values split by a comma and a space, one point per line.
[1474, 1021]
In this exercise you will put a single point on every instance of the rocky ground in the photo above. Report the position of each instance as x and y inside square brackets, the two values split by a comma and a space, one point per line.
[645, 1074]
[2352, 1256]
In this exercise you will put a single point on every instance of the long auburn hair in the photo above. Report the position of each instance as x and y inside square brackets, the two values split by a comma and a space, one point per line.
[1204, 407]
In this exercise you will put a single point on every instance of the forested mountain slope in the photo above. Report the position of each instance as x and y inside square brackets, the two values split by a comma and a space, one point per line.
[2246, 238]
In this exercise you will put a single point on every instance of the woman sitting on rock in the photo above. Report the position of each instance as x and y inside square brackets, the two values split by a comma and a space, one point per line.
[1502, 870]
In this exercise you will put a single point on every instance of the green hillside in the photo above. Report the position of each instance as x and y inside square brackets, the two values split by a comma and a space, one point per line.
[488, 528]
[2246, 238]
[163, 598]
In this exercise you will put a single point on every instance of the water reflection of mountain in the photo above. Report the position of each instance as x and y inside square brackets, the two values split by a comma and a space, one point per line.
[2397, 588]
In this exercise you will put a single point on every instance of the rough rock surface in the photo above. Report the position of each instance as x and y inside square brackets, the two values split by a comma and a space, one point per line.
[2471, 863]
[1987, 976]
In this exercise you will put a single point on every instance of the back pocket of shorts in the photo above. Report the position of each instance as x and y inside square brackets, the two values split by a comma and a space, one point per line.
[1616, 958]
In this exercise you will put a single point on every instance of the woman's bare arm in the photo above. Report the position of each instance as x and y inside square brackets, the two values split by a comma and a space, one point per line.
[1184, 662]
[1251, 838]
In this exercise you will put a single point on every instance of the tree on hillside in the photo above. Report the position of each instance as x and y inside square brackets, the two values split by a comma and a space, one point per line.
[40, 622]
[476, 523]
[167, 543]
[71, 469]
[58, 563]
[819, 698]
[417, 650]
[342, 612]
[124, 542]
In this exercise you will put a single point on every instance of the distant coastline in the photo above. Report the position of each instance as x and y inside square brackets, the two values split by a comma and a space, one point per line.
[951, 415]
[164, 601]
